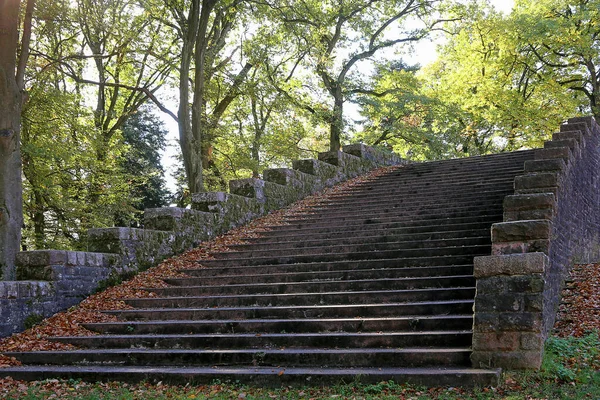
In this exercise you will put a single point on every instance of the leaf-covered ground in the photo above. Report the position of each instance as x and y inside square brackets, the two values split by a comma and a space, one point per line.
[571, 366]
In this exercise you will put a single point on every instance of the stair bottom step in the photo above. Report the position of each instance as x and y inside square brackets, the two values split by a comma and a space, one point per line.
[261, 376]
[289, 357]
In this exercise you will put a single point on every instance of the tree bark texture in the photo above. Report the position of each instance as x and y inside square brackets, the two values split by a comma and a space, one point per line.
[11, 191]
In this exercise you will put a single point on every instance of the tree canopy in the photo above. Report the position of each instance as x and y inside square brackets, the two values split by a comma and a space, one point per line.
[257, 83]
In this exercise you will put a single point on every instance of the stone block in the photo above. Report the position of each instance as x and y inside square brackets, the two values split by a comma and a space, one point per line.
[486, 322]
[530, 283]
[525, 246]
[178, 219]
[250, 187]
[498, 302]
[512, 264]
[537, 180]
[375, 155]
[575, 135]
[510, 216]
[283, 176]
[138, 248]
[544, 165]
[563, 153]
[41, 258]
[210, 201]
[522, 202]
[571, 143]
[494, 341]
[521, 230]
[532, 341]
[583, 124]
[518, 359]
[350, 165]
[520, 321]
[316, 167]
[534, 302]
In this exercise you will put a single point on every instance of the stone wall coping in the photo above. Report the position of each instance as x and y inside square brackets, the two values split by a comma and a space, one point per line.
[44, 258]
[172, 212]
[510, 264]
[121, 233]
[25, 289]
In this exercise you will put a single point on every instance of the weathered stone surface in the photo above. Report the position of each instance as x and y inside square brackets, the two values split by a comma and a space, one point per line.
[547, 213]
[583, 124]
[191, 227]
[563, 153]
[571, 143]
[537, 201]
[373, 154]
[544, 165]
[525, 283]
[520, 359]
[521, 230]
[175, 218]
[523, 246]
[138, 248]
[576, 135]
[71, 276]
[287, 176]
[522, 322]
[324, 171]
[537, 180]
[170, 231]
[512, 264]
[497, 341]
[233, 210]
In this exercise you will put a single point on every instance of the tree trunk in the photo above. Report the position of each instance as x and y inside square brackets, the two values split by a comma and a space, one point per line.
[11, 191]
[336, 126]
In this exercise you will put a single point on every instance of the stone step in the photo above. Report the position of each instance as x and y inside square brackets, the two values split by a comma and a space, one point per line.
[406, 262]
[189, 297]
[415, 208]
[311, 357]
[411, 173]
[262, 376]
[412, 220]
[194, 287]
[402, 193]
[274, 340]
[398, 215]
[455, 242]
[376, 223]
[457, 165]
[355, 233]
[427, 185]
[274, 244]
[409, 323]
[428, 199]
[417, 170]
[308, 276]
[450, 307]
[349, 256]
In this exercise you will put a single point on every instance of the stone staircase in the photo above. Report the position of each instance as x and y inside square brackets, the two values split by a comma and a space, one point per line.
[374, 284]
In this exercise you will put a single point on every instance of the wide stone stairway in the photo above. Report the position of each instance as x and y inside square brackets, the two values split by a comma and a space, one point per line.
[374, 284]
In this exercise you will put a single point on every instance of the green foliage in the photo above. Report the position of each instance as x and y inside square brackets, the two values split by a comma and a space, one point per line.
[573, 359]
[144, 138]
[32, 320]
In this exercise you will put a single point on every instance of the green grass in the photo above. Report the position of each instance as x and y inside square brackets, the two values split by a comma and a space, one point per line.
[571, 370]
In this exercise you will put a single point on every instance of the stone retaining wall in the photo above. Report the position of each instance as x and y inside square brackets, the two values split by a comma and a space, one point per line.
[550, 223]
[51, 281]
